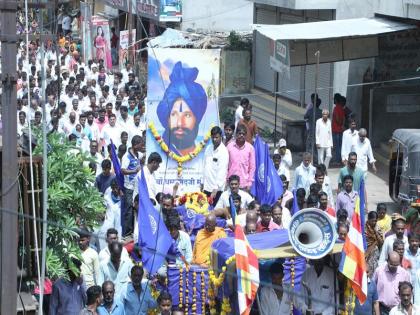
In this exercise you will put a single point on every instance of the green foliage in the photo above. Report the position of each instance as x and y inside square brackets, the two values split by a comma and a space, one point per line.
[268, 135]
[73, 201]
[227, 114]
[236, 42]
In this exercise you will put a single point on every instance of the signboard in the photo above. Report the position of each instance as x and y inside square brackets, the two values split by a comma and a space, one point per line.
[85, 18]
[123, 52]
[170, 11]
[182, 107]
[280, 58]
[148, 9]
[118, 4]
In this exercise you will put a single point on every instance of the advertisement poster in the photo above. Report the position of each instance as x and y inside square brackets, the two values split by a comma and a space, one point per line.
[170, 11]
[101, 41]
[124, 43]
[86, 18]
[182, 107]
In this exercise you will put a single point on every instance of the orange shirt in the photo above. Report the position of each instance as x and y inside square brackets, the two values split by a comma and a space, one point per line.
[251, 129]
[202, 245]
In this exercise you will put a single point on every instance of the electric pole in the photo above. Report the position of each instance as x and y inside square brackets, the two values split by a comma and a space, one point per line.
[10, 180]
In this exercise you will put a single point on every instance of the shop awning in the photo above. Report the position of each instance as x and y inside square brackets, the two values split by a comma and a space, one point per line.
[337, 40]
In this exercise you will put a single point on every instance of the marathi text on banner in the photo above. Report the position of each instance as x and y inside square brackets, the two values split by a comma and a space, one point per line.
[182, 107]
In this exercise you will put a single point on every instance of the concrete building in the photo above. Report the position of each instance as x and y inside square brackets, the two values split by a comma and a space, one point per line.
[394, 100]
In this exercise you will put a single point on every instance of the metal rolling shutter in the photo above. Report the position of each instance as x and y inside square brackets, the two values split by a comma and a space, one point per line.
[324, 83]
[264, 75]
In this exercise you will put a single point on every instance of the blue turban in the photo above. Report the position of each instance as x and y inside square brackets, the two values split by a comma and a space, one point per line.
[183, 86]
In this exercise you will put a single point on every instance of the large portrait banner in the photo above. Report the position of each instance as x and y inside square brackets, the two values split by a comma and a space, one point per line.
[182, 107]
[101, 41]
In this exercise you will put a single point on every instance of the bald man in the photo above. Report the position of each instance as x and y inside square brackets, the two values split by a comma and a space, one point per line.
[361, 145]
[204, 240]
[387, 278]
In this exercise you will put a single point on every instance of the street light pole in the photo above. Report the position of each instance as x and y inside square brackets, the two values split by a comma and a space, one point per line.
[317, 54]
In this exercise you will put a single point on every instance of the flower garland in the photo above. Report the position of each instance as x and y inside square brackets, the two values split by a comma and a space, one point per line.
[181, 286]
[292, 281]
[194, 298]
[203, 293]
[196, 201]
[187, 296]
[350, 299]
[179, 158]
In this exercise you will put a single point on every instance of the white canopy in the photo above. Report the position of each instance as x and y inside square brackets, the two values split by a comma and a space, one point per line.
[331, 29]
[336, 40]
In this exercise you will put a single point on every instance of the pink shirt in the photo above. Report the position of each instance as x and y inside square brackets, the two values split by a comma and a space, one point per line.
[272, 226]
[242, 163]
[387, 284]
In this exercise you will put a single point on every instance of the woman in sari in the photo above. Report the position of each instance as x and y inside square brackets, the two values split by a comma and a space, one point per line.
[374, 239]
[100, 44]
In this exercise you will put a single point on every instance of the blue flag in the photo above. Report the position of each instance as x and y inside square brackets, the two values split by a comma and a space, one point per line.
[117, 167]
[362, 210]
[232, 210]
[154, 237]
[295, 206]
[267, 186]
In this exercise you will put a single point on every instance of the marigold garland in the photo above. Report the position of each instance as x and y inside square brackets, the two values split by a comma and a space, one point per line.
[196, 201]
[203, 293]
[194, 297]
[187, 296]
[292, 280]
[181, 285]
[350, 299]
[179, 158]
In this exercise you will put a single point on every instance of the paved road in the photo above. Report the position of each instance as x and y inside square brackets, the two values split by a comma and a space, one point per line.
[376, 186]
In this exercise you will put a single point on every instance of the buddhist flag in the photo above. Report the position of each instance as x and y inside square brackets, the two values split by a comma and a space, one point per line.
[247, 271]
[353, 264]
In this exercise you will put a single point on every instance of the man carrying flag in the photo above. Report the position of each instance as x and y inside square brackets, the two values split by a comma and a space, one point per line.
[154, 237]
[267, 186]
[353, 264]
[247, 271]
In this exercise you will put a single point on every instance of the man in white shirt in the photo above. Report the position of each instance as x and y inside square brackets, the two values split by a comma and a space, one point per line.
[69, 124]
[349, 136]
[111, 131]
[66, 24]
[238, 113]
[271, 296]
[318, 281]
[398, 227]
[216, 160]
[361, 145]
[224, 200]
[90, 260]
[323, 138]
[137, 127]
[153, 163]
[286, 159]
[104, 254]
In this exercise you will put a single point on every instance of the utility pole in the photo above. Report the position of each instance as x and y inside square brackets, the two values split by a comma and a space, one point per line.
[10, 180]
[130, 27]
[313, 148]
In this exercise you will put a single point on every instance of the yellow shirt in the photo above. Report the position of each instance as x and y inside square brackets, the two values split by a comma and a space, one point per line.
[385, 223]
[203, 243]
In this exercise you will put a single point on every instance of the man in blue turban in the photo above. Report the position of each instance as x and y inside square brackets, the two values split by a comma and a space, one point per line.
[181, 109]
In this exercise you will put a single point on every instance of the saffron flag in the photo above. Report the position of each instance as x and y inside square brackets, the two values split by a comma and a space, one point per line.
[353, 264]
[267, 186]
[247, 271]
[117, 167]
[154, 237]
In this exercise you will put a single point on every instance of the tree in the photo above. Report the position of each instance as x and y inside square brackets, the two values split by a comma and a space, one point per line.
[73, 201]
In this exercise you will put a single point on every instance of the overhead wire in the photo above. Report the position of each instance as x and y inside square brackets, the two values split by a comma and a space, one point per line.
[166, 255]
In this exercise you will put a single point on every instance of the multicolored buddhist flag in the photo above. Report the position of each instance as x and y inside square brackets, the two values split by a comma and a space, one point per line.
[353, 264]
[247, 271]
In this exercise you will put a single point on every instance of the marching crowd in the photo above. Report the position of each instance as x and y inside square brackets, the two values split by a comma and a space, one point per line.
[95, 107]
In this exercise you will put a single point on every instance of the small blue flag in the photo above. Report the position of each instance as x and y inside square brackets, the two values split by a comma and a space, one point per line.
[232, 209]
[117, 167]
[295, 206]
[154, 237]
[267, 186]
[362, 210]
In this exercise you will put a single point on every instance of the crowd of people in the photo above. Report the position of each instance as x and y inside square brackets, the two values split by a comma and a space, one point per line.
[96, 108]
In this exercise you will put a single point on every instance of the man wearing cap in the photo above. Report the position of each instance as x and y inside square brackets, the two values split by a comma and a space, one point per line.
[181, 109]
[286, 158]
[398, 227]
